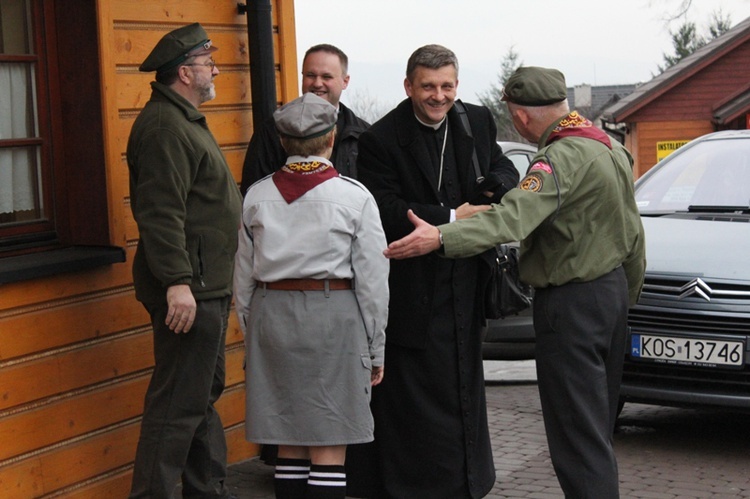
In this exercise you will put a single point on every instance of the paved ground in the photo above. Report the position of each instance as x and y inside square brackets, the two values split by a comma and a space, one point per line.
[663, 453]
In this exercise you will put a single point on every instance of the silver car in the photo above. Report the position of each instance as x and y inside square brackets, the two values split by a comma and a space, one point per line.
[689, 334]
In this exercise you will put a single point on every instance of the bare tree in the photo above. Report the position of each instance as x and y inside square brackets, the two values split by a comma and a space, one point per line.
[683, 6]
[366, 106]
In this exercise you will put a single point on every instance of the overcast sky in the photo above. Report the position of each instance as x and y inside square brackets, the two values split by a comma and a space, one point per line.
[596, 42]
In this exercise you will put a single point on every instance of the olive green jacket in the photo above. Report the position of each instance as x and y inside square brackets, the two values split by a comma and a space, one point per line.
[184, 199]
[574, 213]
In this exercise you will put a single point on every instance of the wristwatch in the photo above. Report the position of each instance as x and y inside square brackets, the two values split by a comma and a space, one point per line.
[440, 238]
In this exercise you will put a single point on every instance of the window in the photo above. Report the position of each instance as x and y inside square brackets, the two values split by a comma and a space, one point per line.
[24, 199]
[53, 192]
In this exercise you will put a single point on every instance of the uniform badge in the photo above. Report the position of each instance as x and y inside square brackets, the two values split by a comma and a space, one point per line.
[532, 182]
[541, 165]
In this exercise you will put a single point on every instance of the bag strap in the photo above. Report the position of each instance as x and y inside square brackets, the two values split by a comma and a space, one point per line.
[461, 108]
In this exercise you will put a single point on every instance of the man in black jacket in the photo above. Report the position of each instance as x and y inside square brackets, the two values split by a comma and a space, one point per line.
[431, 435]
[324, 73]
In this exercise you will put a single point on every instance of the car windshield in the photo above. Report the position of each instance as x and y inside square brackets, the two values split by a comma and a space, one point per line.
[712, 175]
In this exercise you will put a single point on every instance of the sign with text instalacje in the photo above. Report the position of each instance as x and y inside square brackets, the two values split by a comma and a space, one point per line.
[665, 148]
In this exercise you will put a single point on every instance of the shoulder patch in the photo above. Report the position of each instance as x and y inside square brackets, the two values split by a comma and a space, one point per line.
[532, 182]
[542, 166]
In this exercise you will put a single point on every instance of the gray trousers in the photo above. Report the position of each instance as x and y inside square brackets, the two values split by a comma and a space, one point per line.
[580, 349]
[182, 437]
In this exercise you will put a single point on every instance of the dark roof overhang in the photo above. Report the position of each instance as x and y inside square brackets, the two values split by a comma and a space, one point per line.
[732, 107]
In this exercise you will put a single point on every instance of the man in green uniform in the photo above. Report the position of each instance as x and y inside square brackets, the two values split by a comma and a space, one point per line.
[582, 248]
[187, 206]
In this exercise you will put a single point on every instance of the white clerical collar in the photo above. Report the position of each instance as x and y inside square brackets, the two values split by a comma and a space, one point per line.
[434, 126]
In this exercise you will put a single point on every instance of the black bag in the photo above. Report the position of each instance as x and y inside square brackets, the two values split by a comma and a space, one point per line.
[506, 294]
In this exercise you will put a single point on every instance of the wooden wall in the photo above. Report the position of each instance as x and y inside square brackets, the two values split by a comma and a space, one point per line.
[686, 110]
[643, 136]
[696, 96]
[75, 349]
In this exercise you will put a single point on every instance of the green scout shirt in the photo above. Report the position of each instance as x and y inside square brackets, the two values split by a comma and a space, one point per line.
[184, 199]
[574, 213]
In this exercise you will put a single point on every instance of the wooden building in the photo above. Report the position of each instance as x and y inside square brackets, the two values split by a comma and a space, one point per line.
[75, 346]
[705, 92]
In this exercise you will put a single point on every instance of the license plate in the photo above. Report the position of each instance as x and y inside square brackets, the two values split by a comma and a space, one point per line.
[688, 351]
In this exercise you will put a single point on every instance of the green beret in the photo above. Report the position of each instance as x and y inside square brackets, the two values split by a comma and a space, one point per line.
[306, 117]
[534, 86]
[176, 46]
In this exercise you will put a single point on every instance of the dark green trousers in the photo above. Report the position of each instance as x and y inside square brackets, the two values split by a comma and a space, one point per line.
[182, 437]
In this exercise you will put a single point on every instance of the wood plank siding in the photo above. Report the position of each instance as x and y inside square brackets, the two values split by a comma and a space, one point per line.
[642, 139]
[76, 348]
[695, 97]
[682, 103]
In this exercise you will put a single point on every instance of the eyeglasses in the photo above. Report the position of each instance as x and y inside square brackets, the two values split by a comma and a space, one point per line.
[211, 64]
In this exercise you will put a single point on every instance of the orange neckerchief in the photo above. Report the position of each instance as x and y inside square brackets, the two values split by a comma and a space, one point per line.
[575, 125]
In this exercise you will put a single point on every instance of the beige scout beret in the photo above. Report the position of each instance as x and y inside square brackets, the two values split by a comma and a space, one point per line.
[305, 117]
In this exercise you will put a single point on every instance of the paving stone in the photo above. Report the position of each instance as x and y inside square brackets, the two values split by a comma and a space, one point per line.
[653, 462]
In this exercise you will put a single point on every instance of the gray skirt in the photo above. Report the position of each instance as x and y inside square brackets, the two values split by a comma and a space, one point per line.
[308, 369]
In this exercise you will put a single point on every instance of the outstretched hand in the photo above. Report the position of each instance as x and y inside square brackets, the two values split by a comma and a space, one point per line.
[422, 240]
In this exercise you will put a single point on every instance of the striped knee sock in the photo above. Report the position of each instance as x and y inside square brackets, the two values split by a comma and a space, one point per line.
[326, 482]
[290, 479]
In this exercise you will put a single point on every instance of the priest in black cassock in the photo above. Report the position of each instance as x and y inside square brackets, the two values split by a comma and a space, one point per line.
[431, 435]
